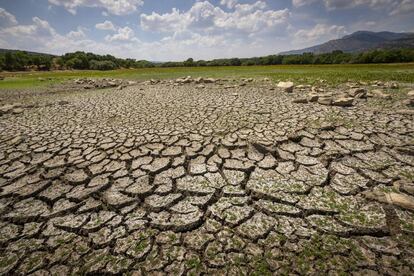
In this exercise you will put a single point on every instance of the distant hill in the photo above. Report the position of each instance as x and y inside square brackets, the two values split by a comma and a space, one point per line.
[361, 41]
[2, 51]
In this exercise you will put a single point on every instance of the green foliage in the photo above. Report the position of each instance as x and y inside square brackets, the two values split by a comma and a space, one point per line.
[20, 61]
[102, 65]
[335, 57]
[189, 62]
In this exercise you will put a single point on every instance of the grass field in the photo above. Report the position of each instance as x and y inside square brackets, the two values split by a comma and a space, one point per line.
[334, 74]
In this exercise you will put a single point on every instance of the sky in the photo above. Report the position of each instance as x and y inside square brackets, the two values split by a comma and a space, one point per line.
[174, 30]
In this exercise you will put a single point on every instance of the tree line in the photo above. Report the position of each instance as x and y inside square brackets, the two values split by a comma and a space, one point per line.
[20, 60]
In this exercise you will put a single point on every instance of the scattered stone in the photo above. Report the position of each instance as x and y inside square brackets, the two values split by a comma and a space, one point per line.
[358, 93]
[119, 84]
[393, 85]
[325, 100]
[410, 99]
[380, 94]
[209, 80]
[400, 200]
[300, 100]
[343, 101]
[317, 90]
[312, 97]
[286, 86]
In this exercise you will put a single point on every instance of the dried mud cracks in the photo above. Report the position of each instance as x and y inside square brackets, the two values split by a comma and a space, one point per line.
[180, 180]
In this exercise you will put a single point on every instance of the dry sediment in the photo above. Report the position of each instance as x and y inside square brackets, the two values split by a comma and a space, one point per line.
[184, 179]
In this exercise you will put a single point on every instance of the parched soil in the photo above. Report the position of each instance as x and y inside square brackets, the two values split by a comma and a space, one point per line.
[185, 179]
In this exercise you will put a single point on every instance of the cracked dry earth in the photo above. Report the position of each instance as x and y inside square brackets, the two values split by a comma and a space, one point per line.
[158, 179]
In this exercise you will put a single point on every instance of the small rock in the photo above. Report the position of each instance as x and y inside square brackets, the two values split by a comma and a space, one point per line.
[302, 86]
[405, 187]
[313, 97]
[343, 101]
[378, 83]
[408, 102]
[17, 110]
[358, 93]
[380, 94]
[326, 100]
[198, 80]
[401, 200]
[406, 112]
[287, 86]
[315, 89]
[394, 85]
[6, 108]
[209, 80]
[300, 100]
[200, 86]
[62, 102]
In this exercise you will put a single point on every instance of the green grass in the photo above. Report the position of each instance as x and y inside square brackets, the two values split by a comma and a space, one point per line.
[334, 74]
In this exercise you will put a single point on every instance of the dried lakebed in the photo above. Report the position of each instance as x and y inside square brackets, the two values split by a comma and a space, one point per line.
[162, 179]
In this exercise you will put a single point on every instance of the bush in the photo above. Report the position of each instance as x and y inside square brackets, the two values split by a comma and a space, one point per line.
[102, 65]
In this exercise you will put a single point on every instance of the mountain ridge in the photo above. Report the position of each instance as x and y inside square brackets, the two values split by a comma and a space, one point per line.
[360, 41]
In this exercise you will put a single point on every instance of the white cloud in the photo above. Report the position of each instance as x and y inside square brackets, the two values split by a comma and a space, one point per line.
[107, 25]
[300, 3]
[207, 31]
[167, 22]
[41, 37]
[123, 34]
[345, 4]
[117, 7]
[338, 4]
[6, 18]
[78, 34]
[404, 7]
[39, 28]
[203, 17]
[228, 3]
[320, 32]
[27, 36]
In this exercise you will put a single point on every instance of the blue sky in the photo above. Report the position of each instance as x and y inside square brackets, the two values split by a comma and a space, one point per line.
[177, 29]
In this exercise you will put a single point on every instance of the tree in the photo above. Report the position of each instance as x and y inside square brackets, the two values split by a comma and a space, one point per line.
[102, 65]
[2, 64]
[189, 62]
[9, 61]
[235, 62]
[75, 63]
